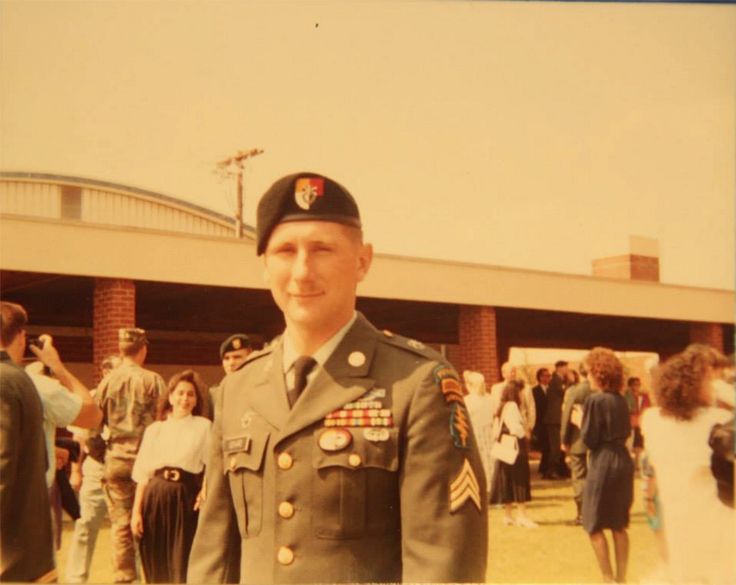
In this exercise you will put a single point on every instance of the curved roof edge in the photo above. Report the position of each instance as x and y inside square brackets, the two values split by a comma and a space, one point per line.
[50, 177]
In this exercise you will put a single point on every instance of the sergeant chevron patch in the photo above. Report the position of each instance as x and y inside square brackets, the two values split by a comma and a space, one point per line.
[463, 488]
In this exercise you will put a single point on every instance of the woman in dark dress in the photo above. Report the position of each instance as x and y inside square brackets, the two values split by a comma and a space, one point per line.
[511, 481]
[609, 485]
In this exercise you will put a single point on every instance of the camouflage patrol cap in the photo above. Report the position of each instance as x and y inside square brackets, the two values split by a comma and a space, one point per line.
[132, 336]
[303, 197]
[234, 343]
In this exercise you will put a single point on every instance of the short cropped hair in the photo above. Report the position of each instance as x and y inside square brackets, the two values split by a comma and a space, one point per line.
[560, 363]
[606, 369]
[13, 319]
[678, 383]
[131, 348]
[632, 380]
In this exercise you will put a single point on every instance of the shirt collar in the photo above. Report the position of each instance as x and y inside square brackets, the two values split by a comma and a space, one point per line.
[322, 354]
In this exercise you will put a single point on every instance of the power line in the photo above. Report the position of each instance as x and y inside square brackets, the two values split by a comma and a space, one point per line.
[234, 166]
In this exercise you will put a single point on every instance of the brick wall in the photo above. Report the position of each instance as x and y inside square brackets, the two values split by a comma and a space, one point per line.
[114, 307]
[628, 267]
[478, 341]
[708, 333]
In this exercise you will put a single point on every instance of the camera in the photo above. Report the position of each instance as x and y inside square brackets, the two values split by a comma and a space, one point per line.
[37, 341]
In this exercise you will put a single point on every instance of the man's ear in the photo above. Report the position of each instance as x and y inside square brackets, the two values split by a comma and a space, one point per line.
[365, 259]
[266, 275]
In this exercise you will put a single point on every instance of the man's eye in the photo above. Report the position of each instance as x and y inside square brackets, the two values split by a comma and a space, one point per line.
[284, 250]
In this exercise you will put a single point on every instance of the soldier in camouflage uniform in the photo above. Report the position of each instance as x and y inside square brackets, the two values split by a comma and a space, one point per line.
[129, 399]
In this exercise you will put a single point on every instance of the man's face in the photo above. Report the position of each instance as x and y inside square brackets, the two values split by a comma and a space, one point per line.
[313, 269]
[545, 377]
[509, 373]
[232, 360]
[562, 372]
[636, 387]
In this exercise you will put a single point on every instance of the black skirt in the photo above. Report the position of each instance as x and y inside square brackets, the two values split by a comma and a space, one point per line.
[511, 482]
[169, 523]
[609, 488]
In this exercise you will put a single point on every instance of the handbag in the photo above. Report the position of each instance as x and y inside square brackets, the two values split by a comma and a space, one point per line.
[505, 448]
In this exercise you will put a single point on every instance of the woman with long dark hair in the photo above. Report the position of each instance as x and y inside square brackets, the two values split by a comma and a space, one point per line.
[168, 471]
[511, 483]
[609, 485]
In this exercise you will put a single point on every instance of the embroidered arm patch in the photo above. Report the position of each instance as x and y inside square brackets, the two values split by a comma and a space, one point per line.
[449, 384]
[463, 488]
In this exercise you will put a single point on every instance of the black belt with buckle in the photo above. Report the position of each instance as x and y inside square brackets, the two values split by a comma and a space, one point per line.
[175, 474]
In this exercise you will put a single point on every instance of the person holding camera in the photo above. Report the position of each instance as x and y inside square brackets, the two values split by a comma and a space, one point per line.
[66, 401]
[26, 547]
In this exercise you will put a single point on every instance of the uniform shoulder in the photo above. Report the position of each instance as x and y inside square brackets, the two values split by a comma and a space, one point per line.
[254, 356]
[411, 346]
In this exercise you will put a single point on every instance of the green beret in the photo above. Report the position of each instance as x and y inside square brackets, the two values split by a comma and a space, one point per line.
[303, 197]
[234, 343]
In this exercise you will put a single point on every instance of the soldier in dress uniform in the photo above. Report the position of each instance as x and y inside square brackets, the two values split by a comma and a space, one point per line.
[339, 453]
[234, 351]
[129, 397]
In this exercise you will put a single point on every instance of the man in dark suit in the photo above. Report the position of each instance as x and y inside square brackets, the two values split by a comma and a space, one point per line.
[553, 418]
[339, 453]
[25, 518]
[539, 433]
[572, 444]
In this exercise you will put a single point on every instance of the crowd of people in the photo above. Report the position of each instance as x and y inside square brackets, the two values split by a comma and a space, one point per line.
[135, 455]
[342, 453]
[679, 437]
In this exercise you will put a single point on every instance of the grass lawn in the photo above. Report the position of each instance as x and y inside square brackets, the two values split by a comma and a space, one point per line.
[556, 552]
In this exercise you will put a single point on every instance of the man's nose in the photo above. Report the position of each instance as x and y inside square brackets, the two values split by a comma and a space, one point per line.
[301, 268]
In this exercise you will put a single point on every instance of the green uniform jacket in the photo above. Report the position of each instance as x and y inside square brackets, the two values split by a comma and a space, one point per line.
[129, 397]
[399, 499]
[569, 433]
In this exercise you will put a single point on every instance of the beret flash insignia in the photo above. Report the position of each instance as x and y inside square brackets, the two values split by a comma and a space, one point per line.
[307, 189]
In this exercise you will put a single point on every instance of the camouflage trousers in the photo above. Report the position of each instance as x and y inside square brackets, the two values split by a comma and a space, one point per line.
[579, 470]
[119, 491]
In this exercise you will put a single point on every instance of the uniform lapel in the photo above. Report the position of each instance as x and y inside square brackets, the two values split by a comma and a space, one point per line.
[267, 396]
[339, 381]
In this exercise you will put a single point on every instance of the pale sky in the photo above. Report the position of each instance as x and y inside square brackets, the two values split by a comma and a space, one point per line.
[516, 134]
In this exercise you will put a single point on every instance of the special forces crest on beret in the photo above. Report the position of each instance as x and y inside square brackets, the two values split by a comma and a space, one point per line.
[307, 190]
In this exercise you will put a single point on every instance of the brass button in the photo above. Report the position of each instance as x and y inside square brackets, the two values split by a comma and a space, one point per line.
[354, 460]
[286, 510]
[285, 461]
[285, 555]
[233, 463]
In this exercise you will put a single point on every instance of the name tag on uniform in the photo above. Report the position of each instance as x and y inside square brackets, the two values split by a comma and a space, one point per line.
[237, 444]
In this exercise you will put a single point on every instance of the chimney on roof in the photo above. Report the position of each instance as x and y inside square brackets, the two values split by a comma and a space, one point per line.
[641, 263]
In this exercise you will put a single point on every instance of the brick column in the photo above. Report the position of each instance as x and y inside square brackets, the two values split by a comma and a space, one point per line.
[478, 341]
[708, 333]
[114, 307]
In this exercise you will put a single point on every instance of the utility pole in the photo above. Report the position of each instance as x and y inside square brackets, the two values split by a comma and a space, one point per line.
[235, 165]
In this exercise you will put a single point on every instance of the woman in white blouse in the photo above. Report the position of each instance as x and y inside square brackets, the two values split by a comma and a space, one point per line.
[168, 471]
[511, 482]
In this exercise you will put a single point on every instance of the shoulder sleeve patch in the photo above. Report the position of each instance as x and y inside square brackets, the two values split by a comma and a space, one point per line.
[448, 383]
